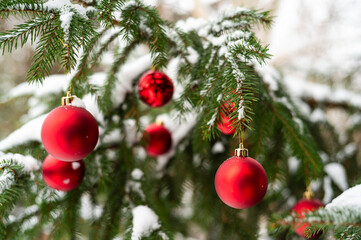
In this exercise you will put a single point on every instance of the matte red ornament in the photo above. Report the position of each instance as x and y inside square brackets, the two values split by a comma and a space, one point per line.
[303, 206]
[155, 88]
[225, 124]
[158, 139]
[69, 133]
[63, 176]
[241, 182]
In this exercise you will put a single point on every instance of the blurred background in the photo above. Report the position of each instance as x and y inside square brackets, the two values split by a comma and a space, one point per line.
[315, 46]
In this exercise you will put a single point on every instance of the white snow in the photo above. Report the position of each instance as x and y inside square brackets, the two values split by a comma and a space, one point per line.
[350, 149]
[67, 10]
[136, 187]
[90, 101]
[179, 130]
[346, 152]
[126, 75]
[30, 131]
[318, 115]
[183, 7]
[65, 17]
[88, 210]
[240, 110]
[293, 164]
[193, 55]
[53, 84]
[327, 188]
[6, 179]
[77, 102]
[137, 174]
[132, 136]
[30, 164]
[75, 165]
[354, 120]
[320, 92]
[263, 232]
[269, 75]
[348, 199]
[218, 147]
[65, 5]
[212, 120]
[145, 221]
[112, 137]
[338, 175]
[29, 223]
[186, 210]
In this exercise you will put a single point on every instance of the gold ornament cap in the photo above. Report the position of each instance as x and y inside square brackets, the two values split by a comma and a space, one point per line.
[241, 151]
[159, 122]
[308, 194]
[68, 99]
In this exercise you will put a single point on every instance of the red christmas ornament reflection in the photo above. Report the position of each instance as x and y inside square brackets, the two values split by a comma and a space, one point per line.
[158, 139]
[69, 133]
[225, 123]
[155, 88]
[241, 182]
[63, 176]
[301, 208]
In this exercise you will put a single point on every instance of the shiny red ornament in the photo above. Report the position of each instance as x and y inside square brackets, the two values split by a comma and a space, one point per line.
[158, 139]
[63, 176]
[69, 133]
[303, 206]
[225, 123]
[241, 182]
[155, 88]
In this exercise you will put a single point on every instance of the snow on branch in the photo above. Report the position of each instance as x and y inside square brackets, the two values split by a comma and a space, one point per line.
[323, 93]
[348, 199]
[6, 179]
[28, 132]
[145, 221]
[29, 163]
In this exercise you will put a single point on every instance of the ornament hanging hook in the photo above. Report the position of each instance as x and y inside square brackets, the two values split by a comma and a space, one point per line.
[241, 151]
[308, 194]
[68, 99]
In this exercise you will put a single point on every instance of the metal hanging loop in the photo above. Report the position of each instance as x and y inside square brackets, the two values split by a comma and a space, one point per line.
[241, 151]
[308, 194]
[68, 99]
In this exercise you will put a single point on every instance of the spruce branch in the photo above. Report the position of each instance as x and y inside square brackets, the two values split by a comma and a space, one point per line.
[26, 9]
[45, 55]
[120, 59]
[89, 59]
[106, 8]
[22, 32]
[13, 182]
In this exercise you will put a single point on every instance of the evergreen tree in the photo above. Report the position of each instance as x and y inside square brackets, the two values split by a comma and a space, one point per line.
[217, 68]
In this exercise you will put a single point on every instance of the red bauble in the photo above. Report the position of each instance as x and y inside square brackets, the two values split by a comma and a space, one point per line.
[158, 139]
[225, 124]
[69, 133]
[155, 88]
[61, 175]
[303, 206]
[241, 182]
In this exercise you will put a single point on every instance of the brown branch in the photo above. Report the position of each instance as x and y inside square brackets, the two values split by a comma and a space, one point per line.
[85, 4]
[313, 103]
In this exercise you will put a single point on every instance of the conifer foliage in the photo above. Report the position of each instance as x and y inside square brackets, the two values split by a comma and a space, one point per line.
[103, 47]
